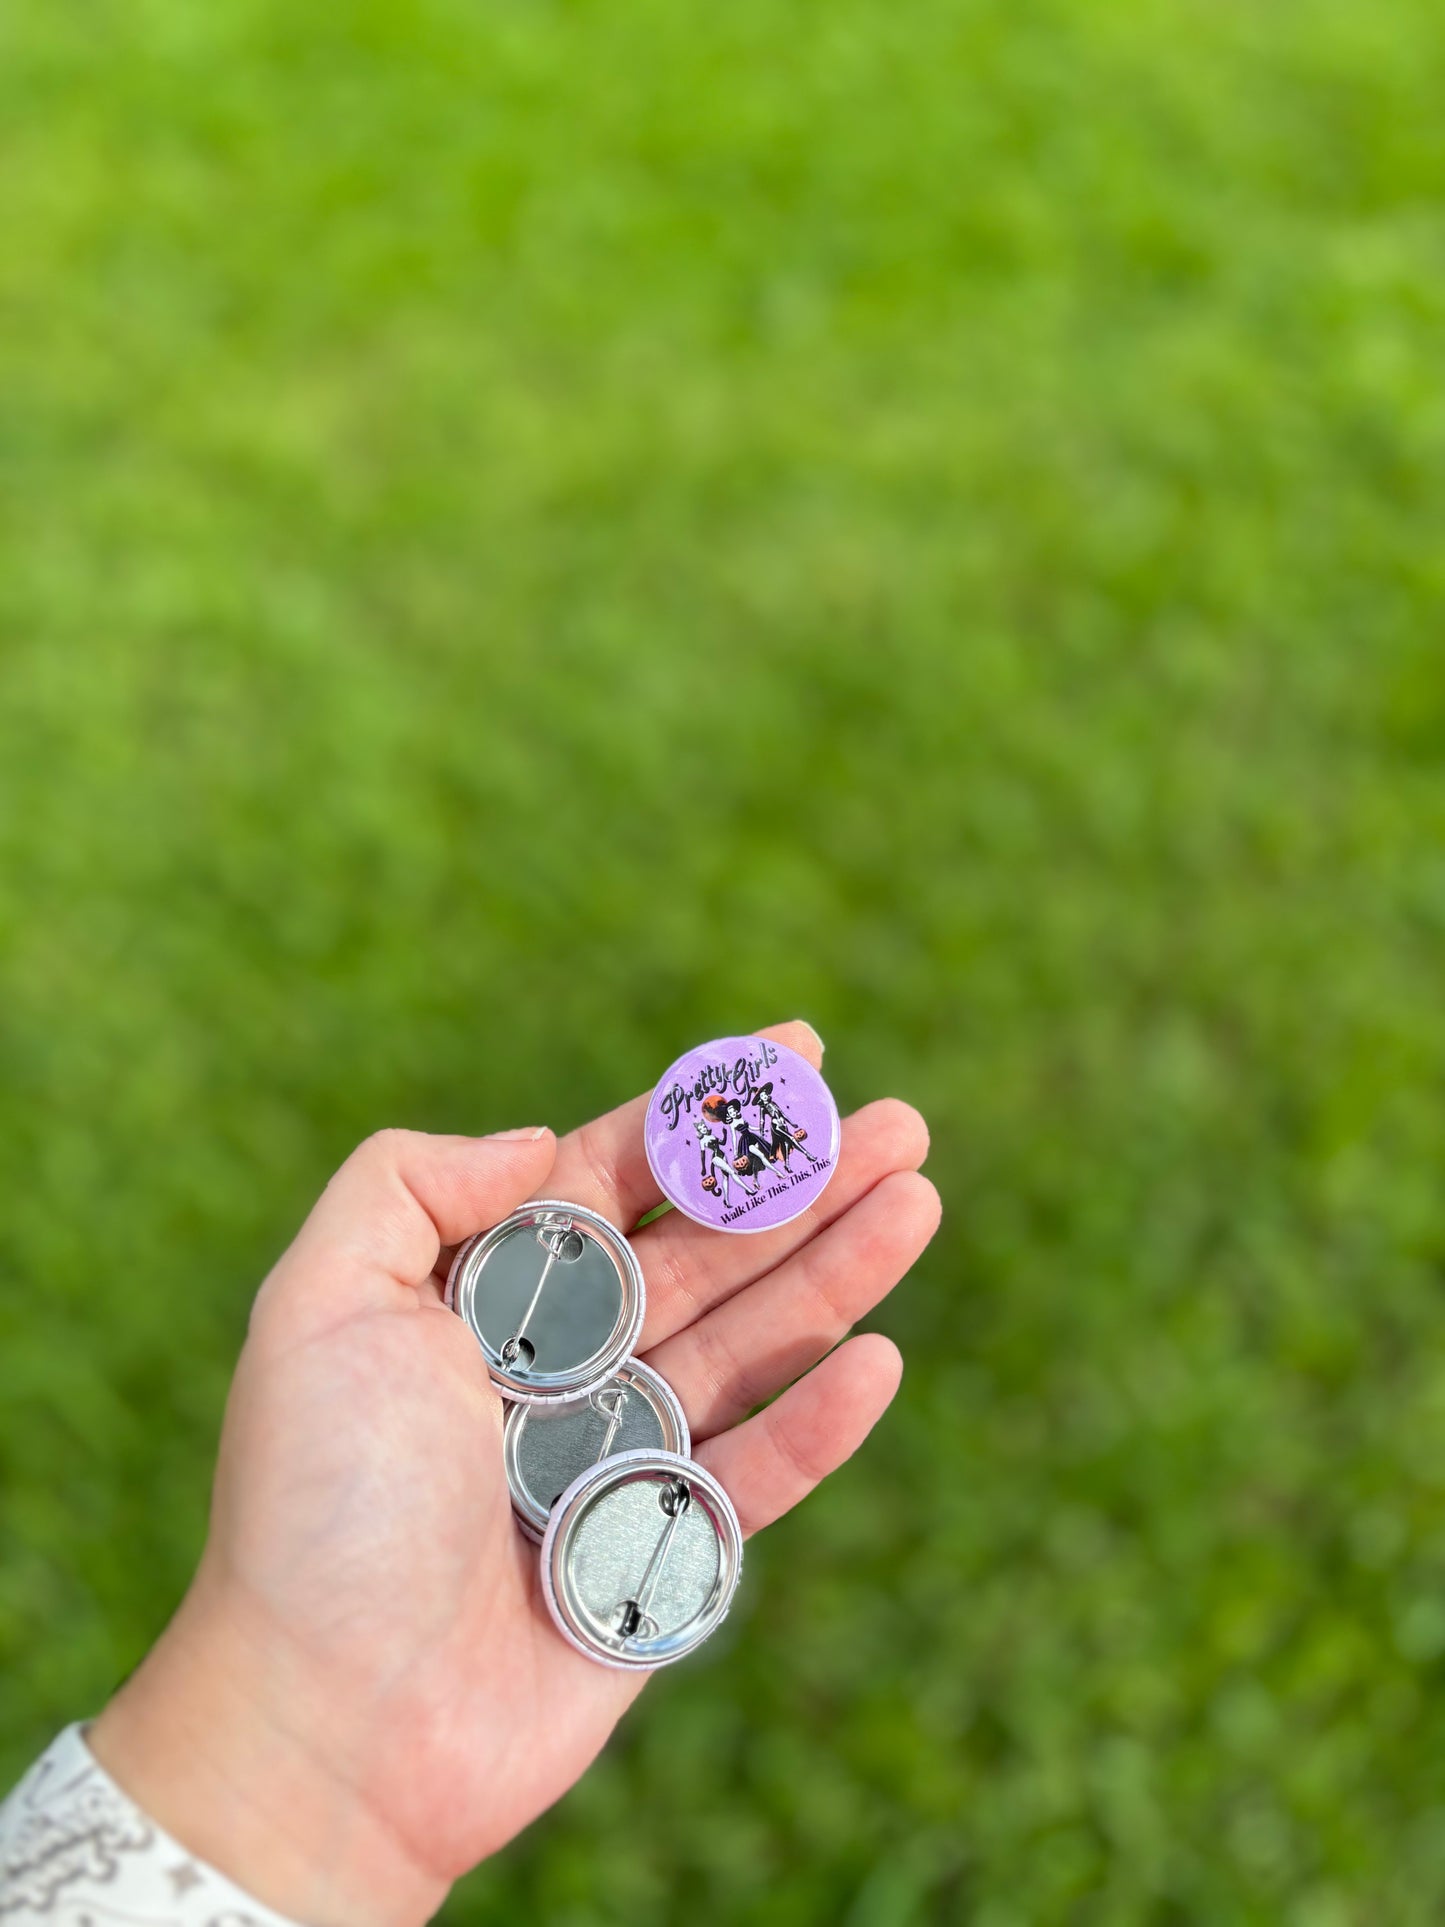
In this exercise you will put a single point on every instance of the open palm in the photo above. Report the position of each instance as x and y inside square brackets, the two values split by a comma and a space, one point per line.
[363, 1694]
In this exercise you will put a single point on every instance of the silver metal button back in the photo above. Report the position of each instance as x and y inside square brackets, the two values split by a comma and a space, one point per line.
[544, 1447]
[640, 1560]
[554, 1296]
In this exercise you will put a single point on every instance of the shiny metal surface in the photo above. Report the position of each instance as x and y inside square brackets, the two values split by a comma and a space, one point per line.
[544, 1447]
[554, 1296]
[641, 1558]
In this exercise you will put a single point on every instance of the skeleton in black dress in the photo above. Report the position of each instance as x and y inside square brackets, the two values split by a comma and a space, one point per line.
[786, 1136]
[750, 1152]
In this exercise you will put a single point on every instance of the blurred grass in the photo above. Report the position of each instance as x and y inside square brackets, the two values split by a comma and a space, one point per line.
[535, 535]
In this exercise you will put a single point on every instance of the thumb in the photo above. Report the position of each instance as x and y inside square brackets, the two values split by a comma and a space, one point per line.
[374, 1234]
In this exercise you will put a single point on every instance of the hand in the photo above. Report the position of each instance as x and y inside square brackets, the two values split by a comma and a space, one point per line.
[362, 1694]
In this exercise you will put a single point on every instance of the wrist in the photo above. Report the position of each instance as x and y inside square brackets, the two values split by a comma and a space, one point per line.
[229, 1747]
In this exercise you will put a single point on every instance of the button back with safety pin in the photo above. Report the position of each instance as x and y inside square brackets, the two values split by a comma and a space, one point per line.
[544, 1447]
[555, 1298]
[640, 1560]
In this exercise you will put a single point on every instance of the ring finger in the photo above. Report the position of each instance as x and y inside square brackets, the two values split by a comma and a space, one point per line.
[763, 1338]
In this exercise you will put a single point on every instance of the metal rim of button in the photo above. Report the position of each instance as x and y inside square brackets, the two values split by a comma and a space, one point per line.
[623, 1640]
[529, 1511]
[556, 1222]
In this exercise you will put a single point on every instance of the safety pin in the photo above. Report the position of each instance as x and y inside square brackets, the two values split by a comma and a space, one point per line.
[556, 1240]
[612, 1413]
[635, 1617]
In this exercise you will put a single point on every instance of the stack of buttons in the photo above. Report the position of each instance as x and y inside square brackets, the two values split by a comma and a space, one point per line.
[641, 1548]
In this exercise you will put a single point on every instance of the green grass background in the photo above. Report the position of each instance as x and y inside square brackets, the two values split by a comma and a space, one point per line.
[538, 533]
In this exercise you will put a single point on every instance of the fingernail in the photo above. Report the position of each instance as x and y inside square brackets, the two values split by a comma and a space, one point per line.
[812, 1033]
[529, 1132]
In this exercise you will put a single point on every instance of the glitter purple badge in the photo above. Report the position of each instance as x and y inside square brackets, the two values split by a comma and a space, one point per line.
[742, 1134]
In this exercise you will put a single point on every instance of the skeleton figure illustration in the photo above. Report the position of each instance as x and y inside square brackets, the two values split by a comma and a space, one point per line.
[786, 1137]
[717, 1174]
[750, 1153]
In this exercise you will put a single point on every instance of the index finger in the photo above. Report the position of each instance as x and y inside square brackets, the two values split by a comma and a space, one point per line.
[603, 1164]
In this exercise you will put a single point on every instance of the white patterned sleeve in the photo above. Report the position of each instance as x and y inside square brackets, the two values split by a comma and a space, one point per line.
[77, 1852]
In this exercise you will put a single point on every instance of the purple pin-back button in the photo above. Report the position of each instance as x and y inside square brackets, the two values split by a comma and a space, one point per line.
[742, 1134]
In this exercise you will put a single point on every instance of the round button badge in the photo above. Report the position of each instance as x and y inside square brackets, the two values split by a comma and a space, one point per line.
[544, 1447]
[742, 1134]
[554, 1296]
[640, 1560]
